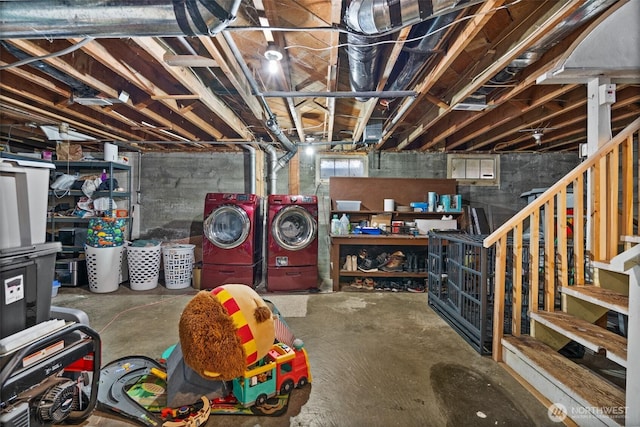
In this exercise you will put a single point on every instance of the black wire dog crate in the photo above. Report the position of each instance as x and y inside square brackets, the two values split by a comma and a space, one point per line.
[461, 286]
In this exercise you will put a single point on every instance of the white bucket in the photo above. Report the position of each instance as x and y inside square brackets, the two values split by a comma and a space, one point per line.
[103, 268]
[110, 152]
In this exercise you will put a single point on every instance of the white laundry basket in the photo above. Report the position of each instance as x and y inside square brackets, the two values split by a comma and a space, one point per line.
[178, 265]
[104, 266]
[144, 266]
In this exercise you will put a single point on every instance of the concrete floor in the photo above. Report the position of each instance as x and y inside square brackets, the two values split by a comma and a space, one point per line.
[377, 359]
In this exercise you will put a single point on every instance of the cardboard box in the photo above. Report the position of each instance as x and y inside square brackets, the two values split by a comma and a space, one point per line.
[381, 219]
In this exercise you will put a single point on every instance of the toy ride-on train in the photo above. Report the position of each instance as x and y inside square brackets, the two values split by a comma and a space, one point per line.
[263, 389]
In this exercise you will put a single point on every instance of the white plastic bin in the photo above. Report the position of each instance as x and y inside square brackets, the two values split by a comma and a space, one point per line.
[144, 266]
[24, 187]
[178, 265]
[348, 205]
[104, 267]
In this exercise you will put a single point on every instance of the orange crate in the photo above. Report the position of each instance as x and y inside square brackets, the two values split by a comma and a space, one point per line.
[122, 213]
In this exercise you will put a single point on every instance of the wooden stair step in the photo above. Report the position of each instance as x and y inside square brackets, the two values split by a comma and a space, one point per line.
[606, 298]
[630, 239]
[583, 385]
[589, 335]
[622, 262]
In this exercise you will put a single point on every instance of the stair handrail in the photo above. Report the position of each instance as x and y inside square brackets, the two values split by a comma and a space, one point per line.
[563, 183]
[514, 226]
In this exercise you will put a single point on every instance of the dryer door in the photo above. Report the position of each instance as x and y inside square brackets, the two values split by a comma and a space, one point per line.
[294, 228]
[227, 226]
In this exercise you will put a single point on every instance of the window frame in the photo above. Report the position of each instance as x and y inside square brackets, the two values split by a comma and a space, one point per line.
[332, 156]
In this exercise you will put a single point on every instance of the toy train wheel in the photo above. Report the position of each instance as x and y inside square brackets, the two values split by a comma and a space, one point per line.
[286, 387]
[261, 399]
[302, 382]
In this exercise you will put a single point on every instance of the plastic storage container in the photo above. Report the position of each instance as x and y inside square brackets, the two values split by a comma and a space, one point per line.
[178, 265]
[24, 189]
[104, 268]
[26, 275]
[348, 205]
[55, 285]
[144, 266]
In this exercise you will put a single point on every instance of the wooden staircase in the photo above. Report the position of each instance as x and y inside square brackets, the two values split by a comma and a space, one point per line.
[570, 300]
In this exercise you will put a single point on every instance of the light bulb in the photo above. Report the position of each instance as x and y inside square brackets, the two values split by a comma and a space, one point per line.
[273, 66]
[309, 151]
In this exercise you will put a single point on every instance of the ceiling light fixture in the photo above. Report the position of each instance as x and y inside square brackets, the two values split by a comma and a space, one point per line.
[273, 53]
[274, 56]
[537, 136]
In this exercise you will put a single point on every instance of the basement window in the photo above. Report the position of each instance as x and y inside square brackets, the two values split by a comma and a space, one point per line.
[331, 165]
[473, 169]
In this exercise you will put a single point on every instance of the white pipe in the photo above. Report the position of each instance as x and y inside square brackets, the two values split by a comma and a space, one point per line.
[273, 168]
[252, 157]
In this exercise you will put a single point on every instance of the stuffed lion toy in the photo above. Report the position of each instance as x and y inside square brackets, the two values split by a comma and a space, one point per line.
[225, 330]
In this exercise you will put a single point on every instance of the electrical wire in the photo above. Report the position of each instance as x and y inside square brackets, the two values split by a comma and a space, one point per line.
[382, 42]
[70, 49]
[114, 318]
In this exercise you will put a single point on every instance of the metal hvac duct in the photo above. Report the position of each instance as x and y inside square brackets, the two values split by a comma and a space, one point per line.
[368, 18]
[416, 55]
[379, 16]
[588, 10]
[364, 55]
[115, 18]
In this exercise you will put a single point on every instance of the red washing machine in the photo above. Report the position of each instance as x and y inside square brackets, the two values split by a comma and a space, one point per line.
[231, 247]
[292, 251]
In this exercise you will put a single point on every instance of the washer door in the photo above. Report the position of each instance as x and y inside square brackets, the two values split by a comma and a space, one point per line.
[227, 226]
[294, 228]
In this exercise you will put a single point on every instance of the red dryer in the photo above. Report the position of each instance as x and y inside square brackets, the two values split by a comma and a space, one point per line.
[231, 246]
[292, 250]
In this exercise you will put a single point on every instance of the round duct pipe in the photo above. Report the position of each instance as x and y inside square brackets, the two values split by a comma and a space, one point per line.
[379, 16]
[117, 18]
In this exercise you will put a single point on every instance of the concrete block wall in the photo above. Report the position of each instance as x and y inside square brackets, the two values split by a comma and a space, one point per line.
[173, 186]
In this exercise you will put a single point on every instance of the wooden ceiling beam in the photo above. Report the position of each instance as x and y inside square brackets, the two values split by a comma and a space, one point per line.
[553, 17]
[572, 115]
[96, 128]
[466, 36]
[499, 116]
[97, 51]
[190, 81]
[217, 47]
[525, 89]
[102, 55]
[47, 107]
